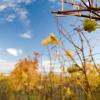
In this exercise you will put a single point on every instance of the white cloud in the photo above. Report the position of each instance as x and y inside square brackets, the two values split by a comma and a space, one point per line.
[27, 35]
[16, 7]
[45, 65]
[13, 3]
[5, 66]
[10, 18]
[1, 49]
[23, 15]
[14, 51]
[2, 7]
[24, 1]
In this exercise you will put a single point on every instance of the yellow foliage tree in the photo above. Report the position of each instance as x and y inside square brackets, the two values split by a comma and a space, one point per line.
[25, 75]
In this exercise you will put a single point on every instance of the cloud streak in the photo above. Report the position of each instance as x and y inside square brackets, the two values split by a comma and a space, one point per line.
[10, 18]
[6, 67]
[14, 52]
[26, 35]
[14, 6]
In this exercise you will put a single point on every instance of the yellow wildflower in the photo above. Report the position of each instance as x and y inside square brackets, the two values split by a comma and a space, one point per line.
[69, 54]
[68, 91]
[50, 40]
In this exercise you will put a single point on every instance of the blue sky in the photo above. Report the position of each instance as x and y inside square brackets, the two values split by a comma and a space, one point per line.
[23, 24]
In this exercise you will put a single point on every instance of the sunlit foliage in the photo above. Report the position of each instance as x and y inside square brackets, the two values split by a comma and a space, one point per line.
[50, 40]
[89, 25]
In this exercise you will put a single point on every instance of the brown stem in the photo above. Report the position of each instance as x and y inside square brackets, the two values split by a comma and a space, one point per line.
[91, 55]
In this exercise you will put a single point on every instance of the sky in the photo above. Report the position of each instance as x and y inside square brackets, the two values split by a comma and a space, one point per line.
[23, 24]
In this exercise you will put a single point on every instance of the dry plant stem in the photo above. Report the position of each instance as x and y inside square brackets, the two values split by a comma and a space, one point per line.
[77, 10]
[91, 55]
[51, 71]
[72, 42]
[87, 88]
[73, 4]
[90, 9]
[63, 14]
[85, 16]
[89, 3]
[69, 38]
[86, 8]
[62, 44]
[46, 97]
[76, 47]
[60, 58]
[42, 65]
[64, 58]
[85, 37]
[63, 47]
[55, 58]
[50, 58]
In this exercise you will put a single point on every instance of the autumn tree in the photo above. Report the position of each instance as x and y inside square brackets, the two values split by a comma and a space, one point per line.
[26, 76]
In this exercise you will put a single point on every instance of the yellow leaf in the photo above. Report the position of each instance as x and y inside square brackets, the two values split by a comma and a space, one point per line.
[24, 76]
